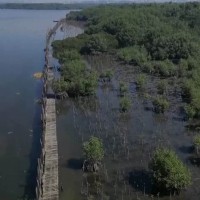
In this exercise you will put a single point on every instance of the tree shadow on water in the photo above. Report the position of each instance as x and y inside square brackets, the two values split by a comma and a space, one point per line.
[75, 164]
[141, 180]
[187, 149]
[194, 160]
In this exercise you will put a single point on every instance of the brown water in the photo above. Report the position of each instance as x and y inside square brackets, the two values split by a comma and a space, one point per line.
[129, 139]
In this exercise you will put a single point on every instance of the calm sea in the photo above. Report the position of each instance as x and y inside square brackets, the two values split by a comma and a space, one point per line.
[22, 40]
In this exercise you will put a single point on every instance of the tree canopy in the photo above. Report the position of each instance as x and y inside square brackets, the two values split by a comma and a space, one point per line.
[168, 170]
[93, 149]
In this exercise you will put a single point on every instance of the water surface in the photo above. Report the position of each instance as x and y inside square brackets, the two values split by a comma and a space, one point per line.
[22, 40]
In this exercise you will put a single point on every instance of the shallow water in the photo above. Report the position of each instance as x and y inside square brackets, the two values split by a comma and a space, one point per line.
[129, 141]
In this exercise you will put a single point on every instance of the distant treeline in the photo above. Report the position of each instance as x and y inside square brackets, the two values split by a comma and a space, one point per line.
[44, 6]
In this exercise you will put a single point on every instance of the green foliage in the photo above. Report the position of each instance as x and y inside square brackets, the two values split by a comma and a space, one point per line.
[73, 69]
[188, 89]
[196, 141]
[60, 86]
[114, 25]
[108, 74]
[136, 55]
[93, 150]
[68, 55]
[182, 68]
[74, 43]
[164, 68]
[125, 103]
[127, 36]
[76, 79]
[190, 111]
[83, 86]
[141, 81]
[99, 43]
[162, 87]
[165, 31]
[193, 63]
[175, 46]
[191, 94]
[160, 104]
[123, 88]
[148, 67]
[168, 171]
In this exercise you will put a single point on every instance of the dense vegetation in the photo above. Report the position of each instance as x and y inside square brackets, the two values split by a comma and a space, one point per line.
[169, 172]
[161, 39]
[76, 78]
[160, 104]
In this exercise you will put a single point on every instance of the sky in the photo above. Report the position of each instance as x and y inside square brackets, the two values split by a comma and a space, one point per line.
[74, 1]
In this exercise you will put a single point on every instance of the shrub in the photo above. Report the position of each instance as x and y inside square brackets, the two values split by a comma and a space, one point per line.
[60, 86]
[83, 86]
[148, 67]
[188, 90]
[125, 104]
[136, 55]
[165, 68]
[76, 79]
[127, 36]
[193, 63]
[99, 43]
[182, 67]
[123, 88]
[162, 87]
[76, 43]
[169, 172]
[197, 143]
[108, 74]
[141, 81]
[190, 111]
[93, 150]
[114, 25]
[68, 55]
[73, 69]
[191, 95]
[160, 104]
[175, 46]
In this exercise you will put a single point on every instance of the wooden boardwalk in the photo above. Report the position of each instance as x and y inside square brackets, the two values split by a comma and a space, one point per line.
[47, 178]
[48, 185]
[50, 176]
